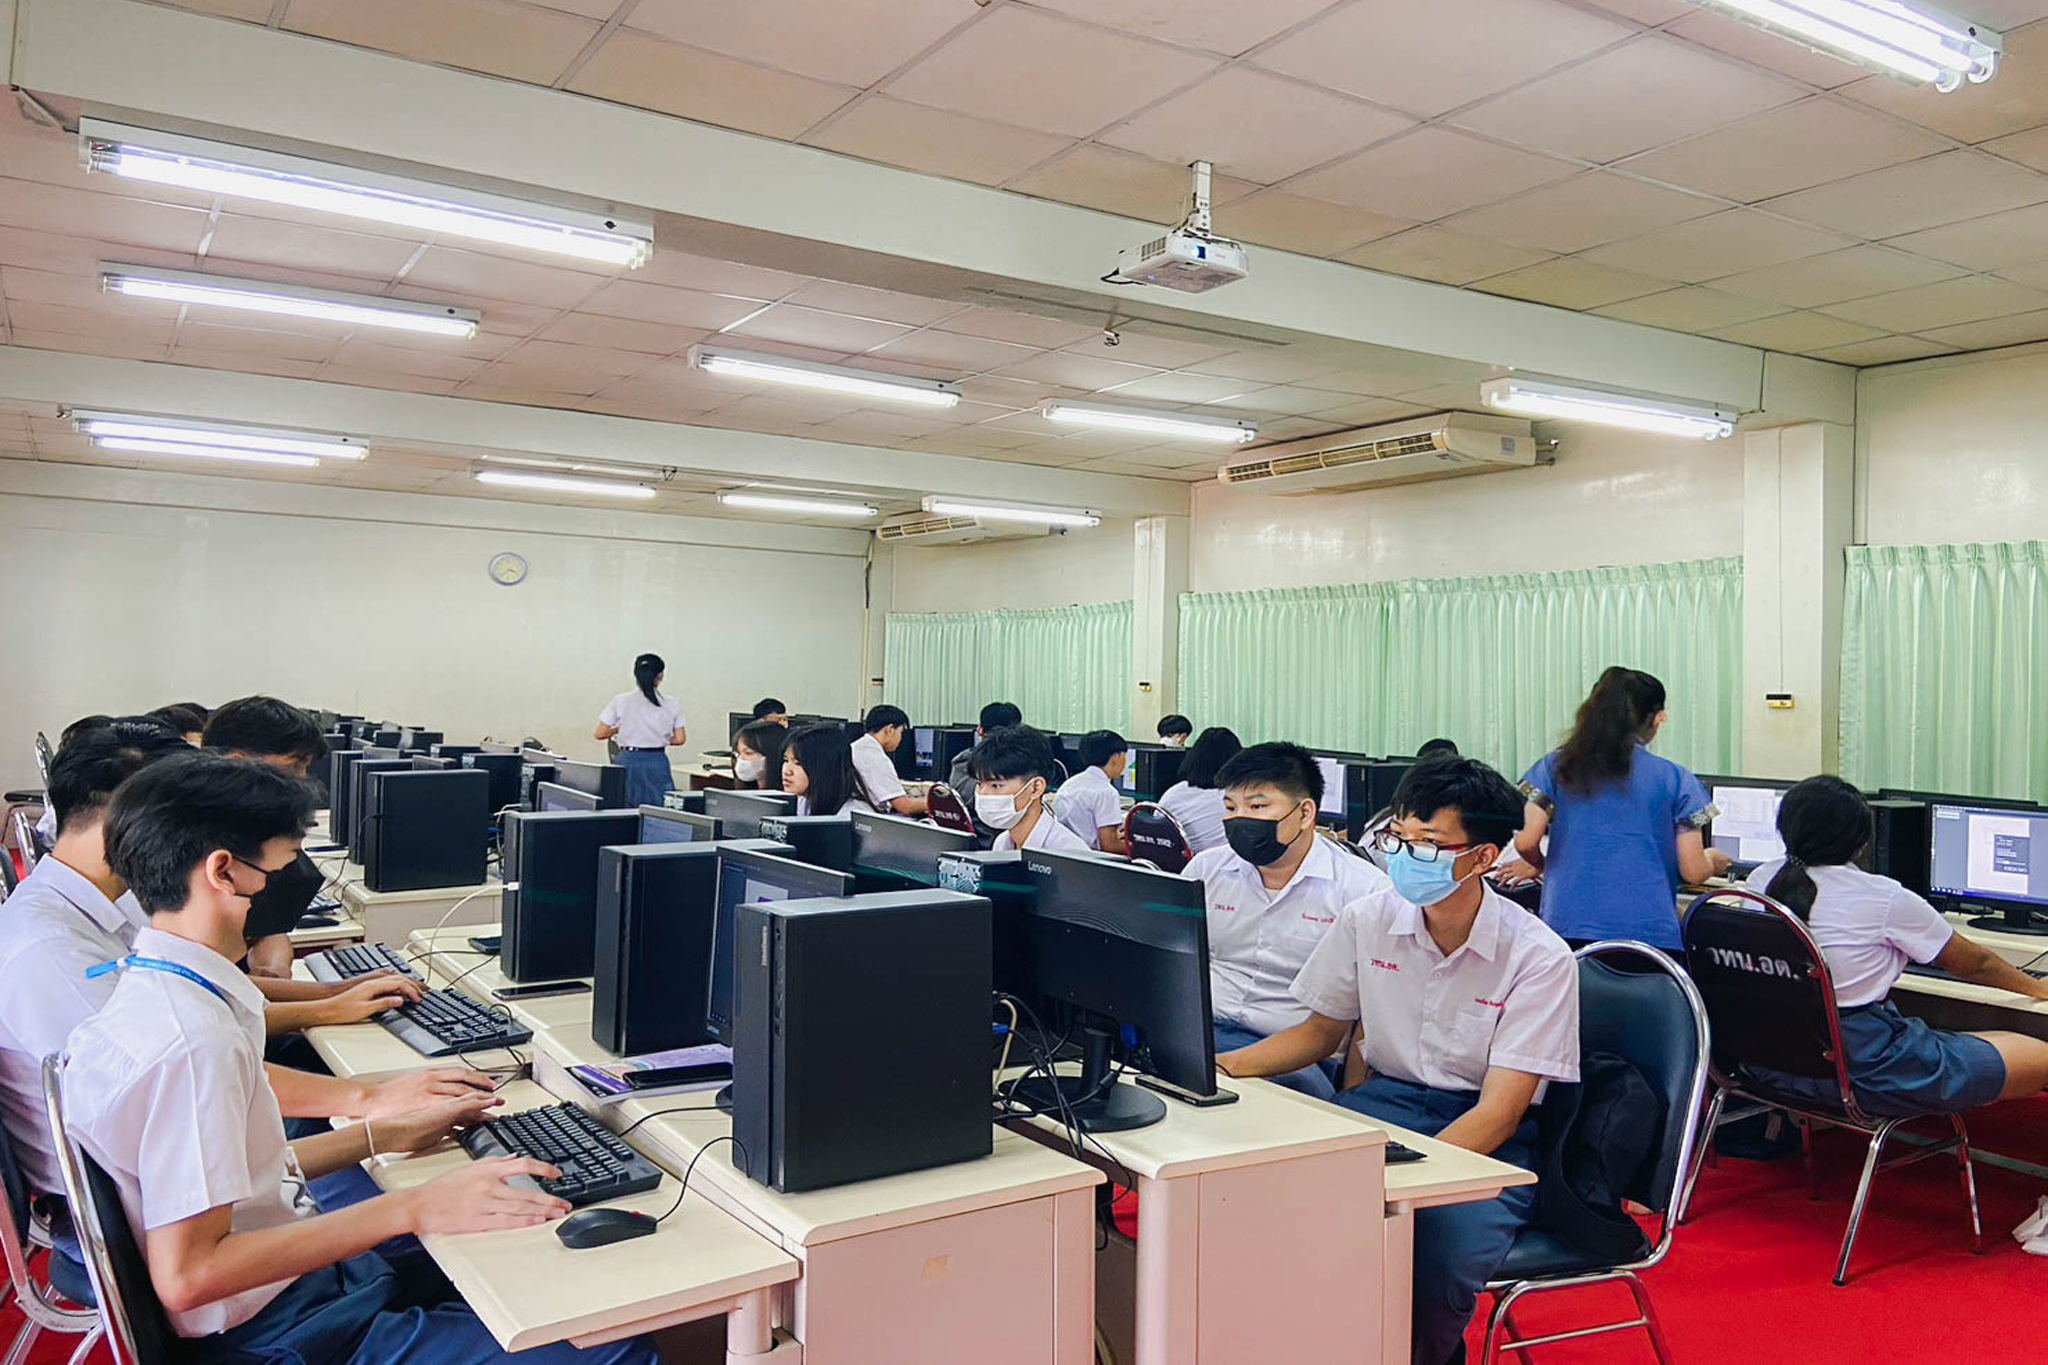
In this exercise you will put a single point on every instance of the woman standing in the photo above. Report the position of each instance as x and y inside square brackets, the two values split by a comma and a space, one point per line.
[1624, 824]
[645, 722]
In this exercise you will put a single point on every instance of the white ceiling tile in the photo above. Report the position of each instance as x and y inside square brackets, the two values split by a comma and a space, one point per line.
[1429, 173]
[1315, 227]
[852, 42]
[1989, 243]
[1883, 351]
[861, 302]
[1724, 244]
[66, 254]
[2015, 99]
[652, 338]
[676, 307]
[524, 42]
[1225, 26]
[1691, 309]
[936, 141]
[108, 218]
[1134, 347]
[549, 286]
[1782, 150]
[1370, 413]
[2034, 273]
[683, 270]
[1255, 126]
[1182, 388]
[80, 289]
[1434, 253]
[637, 69]
[1649, 91]
[1947, 304]
[115, 324]
[2029, 148]
[1752, 44]
[1647, 11]
[1944, 188]
[1024, 329]
[1851, 273]
[1797, 333]
[1285, 400]
[268, 241]
[1279, 366]
[283, 345]
[1571, 282]
[249, 11]
[814, 327]
[1585, 211]
[362, 354]
[1082, 372]
[2010, 331]
[961, 355]
[604, 361]
[1099, 177]
[1034, 70]
[1431, 58]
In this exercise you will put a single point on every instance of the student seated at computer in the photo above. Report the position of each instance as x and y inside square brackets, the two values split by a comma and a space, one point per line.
[757, 755]
[817, 769]
[1175, 730]
[187, 718]
[884, 727]
[1380, 819]
[1468, 1005]
[46, 823]
[280, 734]
[165, 1088]
[1868, 927]
[997, 715]
[1273, 890]
[1196, 801]
[1088, 803]
[772, 710]
[1013, 772]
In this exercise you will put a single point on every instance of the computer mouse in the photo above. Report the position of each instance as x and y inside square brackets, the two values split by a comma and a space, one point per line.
[601, 1227]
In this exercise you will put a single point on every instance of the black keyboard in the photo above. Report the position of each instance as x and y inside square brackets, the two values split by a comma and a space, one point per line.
[595, 1162]
[443, 1023]
[358, 959]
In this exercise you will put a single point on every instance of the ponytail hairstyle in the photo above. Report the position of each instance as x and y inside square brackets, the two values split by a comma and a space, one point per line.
[1617, 715]
[1824, 822]
[646, 669]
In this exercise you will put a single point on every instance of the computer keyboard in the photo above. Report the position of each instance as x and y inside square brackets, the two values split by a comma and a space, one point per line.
[596, 1163]
[443, 1023]
[358, 959]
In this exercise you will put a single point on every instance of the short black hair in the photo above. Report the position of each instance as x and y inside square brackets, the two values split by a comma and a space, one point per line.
[1001, 715]
[1213, 748]
[769, 706]
[767, 738]
[1014, 751]
[86, 771]
[80, 726]
[1437, 748]
[883, 716]
[1288, 767]
[1098, 747]
[264, 727]
[826, 756]
[1487, 804]
[174, 814]
[1175, 724]
[184, 717]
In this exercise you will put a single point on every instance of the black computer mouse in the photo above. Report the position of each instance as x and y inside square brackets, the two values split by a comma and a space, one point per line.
[601, 1227]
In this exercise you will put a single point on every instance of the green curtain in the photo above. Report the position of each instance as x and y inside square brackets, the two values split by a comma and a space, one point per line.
[1945, 668]
[1497, 664]
[1068, 668]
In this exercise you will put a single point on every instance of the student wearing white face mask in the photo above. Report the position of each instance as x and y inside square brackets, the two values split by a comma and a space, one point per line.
[1013, 771]
[757, 755]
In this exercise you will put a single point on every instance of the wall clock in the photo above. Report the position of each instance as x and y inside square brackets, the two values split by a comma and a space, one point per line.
[508, 569]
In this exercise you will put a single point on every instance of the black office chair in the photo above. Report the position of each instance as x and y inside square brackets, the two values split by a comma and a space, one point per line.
[947, 810]
[1154, 836]
[1651, 1016]
[1772, 1003]
[58, 1300]
[132, 1319]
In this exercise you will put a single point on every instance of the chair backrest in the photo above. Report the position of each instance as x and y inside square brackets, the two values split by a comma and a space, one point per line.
[1152, 833]
[138, 1332]
[1769, 996]
[1637, 1004]
[43, 756]
[947, 810]
[24, 832]
[10, 875]
[14, 1231]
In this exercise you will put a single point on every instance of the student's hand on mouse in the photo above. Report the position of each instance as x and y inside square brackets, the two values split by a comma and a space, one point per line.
[370, 997]
[418, 1089]
[477, 1199]
[1720, 862]
[432, 1124]
[1514, 874]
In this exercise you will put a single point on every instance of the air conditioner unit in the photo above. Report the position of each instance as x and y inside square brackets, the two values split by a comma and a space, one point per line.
[925, 528]
[1442, 446]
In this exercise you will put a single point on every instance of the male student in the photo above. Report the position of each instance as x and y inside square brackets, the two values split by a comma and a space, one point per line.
[885, 728]
[1013, 772]
[1175, 731]
[1273, 889]
[997, 715]
[1088, 802]
[280, 734]
[1468, 1005]
[165, 1089]
[772, 709]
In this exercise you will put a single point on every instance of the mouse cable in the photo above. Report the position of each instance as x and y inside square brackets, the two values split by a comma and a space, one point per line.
[691, 1168]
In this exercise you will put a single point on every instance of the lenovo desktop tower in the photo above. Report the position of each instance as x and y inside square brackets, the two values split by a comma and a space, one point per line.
[821, 840]
[861, 1036]
[549, 906]
[425, 828]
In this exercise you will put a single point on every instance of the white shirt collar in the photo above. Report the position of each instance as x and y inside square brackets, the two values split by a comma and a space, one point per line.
[73, 885]
[1484, 940]
[225, 975]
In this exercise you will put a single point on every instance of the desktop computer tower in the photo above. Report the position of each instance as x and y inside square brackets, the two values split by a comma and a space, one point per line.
[693, 802]
[532, 775]
[504, 771]
[998, 877]
[651, 974]
[821, 840]
[549, 905]
[1900, 840]
[356, 787]
[425, 828]
[861, 1036]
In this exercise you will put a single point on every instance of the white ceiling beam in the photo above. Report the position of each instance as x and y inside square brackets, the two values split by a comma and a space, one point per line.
[121, 55]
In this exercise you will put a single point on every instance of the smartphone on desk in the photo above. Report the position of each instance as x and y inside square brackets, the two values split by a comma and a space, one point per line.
[654, 1078]
[540, 989]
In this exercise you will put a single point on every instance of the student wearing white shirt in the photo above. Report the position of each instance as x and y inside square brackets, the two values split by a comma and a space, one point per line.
[1196, 801]
[817, 769]
[1013, 771]
[645, 722]
[280, 734]
[165, 1088]
[884, 730]
[1089, 803]
[1175, 730]
[1868, 927]
[1467, 1004]
[1273, 891]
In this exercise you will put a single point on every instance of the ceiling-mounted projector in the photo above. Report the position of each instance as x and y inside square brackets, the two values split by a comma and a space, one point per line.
[1189, 258]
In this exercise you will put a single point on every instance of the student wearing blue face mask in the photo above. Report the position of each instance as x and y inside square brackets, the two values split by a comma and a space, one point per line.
[1469, 1004]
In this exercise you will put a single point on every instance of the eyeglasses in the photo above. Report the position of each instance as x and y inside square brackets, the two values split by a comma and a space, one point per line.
[1390, 843]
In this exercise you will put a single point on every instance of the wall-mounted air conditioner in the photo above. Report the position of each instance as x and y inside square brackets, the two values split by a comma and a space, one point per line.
[1440, 446]
[928, 528]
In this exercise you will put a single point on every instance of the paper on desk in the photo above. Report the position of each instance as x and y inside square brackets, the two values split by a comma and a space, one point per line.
[600, 1080]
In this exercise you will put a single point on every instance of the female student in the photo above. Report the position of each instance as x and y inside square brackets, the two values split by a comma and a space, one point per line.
[1196, 801]
[757, 755]
[1868, 927]
[645, 722]
[1624, 824]
[817, 769]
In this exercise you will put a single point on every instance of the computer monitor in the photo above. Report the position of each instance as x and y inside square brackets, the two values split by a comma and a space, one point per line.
[1957, 799]
[555, 796]
[1745, 823]
[547, 909]
[605, 781]
[1157, 769]
[504, 770]
[923, 749]
[1992, 859]
[409, 738]
[1335, 807]
[660, 825]
[388, 737]
[485, 746]
[425, 764]
[891, 853]
[736, 721]
[746, 877]
[458, 752]
[739, 814]
[948, 743]
[820, 840]
[1125, 949]
[384, 751]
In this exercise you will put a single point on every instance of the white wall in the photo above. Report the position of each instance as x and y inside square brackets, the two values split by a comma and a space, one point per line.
[1078, 568]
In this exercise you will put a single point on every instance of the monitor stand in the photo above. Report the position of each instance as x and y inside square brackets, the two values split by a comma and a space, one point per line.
[1098, 1104]
[2013, 922]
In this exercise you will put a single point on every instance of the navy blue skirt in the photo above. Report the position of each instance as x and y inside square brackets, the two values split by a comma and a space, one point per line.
[1900, 1066]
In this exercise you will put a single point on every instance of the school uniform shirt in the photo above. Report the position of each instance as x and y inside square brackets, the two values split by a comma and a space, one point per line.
[642, 724]
[1088, 803]
[1046, 833]
[1611, 870]
[1509, 996]
[1868, 927]
[879, 781]
[1260, 939]
[1200, 813]
[55, 925]
[165, 1087]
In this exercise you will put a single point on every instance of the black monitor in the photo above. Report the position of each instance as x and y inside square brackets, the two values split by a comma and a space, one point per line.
[660, 825]
[1991, 859]
[736, 721]
[422, 763]
[410, 738]
[739, 814]
[388, 737]
[605, 781]
[485, 746]
[747, 877]
[362, 729]
[504, 770]
[919, 758]
[948, 743]
[548, 908]
[1383, 779]
[891, 853]
[1125, 948]
[1745, 823]
[534, 769]
[1158, 768]
[1955, 799]
[1335, 807]
[384, 751]
[820, 840]
[458, 752]
[555, 796]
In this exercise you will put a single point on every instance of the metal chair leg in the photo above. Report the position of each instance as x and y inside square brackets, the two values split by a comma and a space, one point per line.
[24, 1340]
[1497, 1324]
[1877, 1141]
[1699, 1158]
[1969, 1184]
[86, 1347]
[1649, 1316]
[1807, 1156]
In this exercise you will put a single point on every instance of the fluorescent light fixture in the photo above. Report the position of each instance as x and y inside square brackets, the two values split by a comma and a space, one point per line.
[443, 210]
[810, 507]
[569, 466]
[499, 478]
[288, 300]
[1029, 516]
[105, 426]
[1534, 397]
[1918, 42]
[808, 374]
[143, 446]
[1187, 426]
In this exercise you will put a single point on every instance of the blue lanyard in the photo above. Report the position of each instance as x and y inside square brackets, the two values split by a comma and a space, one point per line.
[157, 964]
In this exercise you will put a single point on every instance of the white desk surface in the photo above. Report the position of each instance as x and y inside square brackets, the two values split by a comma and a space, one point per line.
[344, 930]
[1971, 992]
[355, 895]
[2014, 948]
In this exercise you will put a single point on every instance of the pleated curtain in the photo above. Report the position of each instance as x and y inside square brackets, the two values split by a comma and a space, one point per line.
[1068, 668]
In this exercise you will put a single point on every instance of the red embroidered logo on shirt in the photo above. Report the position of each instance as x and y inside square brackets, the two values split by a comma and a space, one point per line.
[1311, 917]
[1385, 966]
[1490, 1004]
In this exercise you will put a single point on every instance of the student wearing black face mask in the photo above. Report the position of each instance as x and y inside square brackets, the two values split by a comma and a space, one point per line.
[1273, 889]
